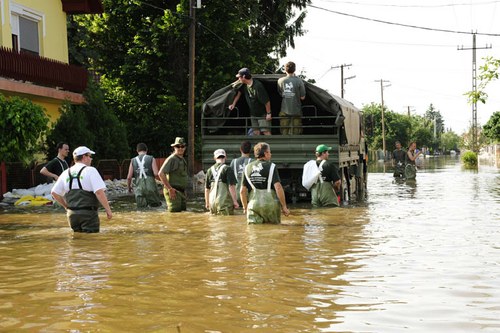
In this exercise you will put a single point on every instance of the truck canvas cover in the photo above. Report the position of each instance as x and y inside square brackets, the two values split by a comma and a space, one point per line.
[215, 108]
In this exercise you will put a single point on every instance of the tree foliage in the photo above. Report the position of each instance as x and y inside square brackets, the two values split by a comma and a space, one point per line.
[93, 125]
[22, 125]
[140, 50]
[488, 72]
[398, 127]
[450, 141]
[467, 139]
[492, 128]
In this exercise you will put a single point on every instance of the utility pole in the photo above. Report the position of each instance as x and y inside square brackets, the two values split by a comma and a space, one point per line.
[475, 147]
[342, 80]
[410, 108]
[383, 122]
[191, 117]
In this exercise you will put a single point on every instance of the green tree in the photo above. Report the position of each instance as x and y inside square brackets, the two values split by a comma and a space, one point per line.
[492, 128]
[91, 124]
[140, 51]
[398, 127]
[466, 141]
[488, 72]
[22, 125]
[436, 124]
[450, 141]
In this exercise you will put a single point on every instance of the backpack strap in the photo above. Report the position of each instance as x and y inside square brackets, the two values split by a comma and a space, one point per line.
[71, 178]
[247, 176]
[140, 163]
[320, 167]
[270, 178]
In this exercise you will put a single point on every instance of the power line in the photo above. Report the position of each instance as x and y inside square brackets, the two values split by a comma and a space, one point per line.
[412, 6]
[401, 24]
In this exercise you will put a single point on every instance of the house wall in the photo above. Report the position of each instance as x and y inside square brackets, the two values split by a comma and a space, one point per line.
[52, 26]
[53, 44]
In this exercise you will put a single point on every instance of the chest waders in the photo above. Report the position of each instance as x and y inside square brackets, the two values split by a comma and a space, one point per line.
[410, 169]
[399, 169]
[323, 193]
[238, 179]
[178, 180]
[263, 204]
[146, 191]
[219, 196]
[82, 206]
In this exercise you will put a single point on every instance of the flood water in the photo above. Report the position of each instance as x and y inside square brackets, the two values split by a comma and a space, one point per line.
[416, 257]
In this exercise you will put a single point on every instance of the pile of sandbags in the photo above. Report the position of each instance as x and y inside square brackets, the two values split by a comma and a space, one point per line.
[34, 196]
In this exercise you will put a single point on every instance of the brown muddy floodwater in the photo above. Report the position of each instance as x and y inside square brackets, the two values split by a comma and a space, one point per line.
[416, 257]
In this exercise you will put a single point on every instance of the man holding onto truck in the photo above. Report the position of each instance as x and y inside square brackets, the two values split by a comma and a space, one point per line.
[293, 91]
[323, 192]
[258, 102]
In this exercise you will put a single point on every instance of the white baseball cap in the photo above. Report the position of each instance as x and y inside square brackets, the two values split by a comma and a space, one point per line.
[82, 150]
[219, 152]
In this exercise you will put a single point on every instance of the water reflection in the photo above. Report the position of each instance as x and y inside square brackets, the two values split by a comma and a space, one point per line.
[419, 256]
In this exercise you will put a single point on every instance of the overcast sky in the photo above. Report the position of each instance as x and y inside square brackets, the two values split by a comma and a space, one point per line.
[423, 66]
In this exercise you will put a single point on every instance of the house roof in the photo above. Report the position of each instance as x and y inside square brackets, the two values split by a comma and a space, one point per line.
[82, 6]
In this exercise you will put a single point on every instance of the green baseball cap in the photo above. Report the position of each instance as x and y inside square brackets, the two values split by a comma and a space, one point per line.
[322, 148]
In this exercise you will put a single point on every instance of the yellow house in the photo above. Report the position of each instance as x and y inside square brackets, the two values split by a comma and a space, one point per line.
[34, 51]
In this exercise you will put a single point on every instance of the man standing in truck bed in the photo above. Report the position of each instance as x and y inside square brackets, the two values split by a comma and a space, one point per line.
[293, 91]
[257, 100]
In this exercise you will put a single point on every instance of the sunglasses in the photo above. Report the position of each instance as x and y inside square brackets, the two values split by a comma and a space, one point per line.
[180, 146]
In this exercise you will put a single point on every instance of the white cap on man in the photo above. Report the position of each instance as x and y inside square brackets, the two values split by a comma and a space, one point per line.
[219, 153]
[82, 150]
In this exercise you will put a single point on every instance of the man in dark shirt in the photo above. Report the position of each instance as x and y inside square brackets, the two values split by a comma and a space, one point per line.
[398, 160]
[56, 166]
[258, 102]
[323, 193]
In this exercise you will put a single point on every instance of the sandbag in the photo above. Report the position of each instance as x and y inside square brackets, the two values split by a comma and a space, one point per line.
[310, 174]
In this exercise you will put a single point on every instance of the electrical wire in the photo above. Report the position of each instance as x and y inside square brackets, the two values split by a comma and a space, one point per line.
[403, 24]
[412, 6]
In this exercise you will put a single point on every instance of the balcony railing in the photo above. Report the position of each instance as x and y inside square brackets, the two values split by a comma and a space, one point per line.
[42, 71]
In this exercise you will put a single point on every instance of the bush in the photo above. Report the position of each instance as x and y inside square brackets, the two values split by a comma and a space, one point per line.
[469, 159]
[22, 125]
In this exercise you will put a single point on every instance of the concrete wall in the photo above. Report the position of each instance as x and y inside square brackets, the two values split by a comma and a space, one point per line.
[490, 155]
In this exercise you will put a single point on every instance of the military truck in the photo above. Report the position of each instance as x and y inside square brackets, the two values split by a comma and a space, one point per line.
[327, 119]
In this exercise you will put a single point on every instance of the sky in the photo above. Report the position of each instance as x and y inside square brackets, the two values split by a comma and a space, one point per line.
[419, 67]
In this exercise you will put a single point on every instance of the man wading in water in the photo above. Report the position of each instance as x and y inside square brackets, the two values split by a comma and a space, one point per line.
[266, 197]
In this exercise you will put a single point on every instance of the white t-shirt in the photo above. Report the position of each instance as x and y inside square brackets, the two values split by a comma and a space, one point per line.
[90, 179]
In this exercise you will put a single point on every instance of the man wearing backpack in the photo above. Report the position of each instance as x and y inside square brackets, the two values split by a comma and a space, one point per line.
[323, 192]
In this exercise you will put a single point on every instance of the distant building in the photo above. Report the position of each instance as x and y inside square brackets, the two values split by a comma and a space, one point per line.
[34, 51]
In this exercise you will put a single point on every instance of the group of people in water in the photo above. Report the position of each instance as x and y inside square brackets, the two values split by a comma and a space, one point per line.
[250, 182]
[404, 161]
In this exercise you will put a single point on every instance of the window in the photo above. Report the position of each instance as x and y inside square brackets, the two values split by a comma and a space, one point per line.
[25, 25]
